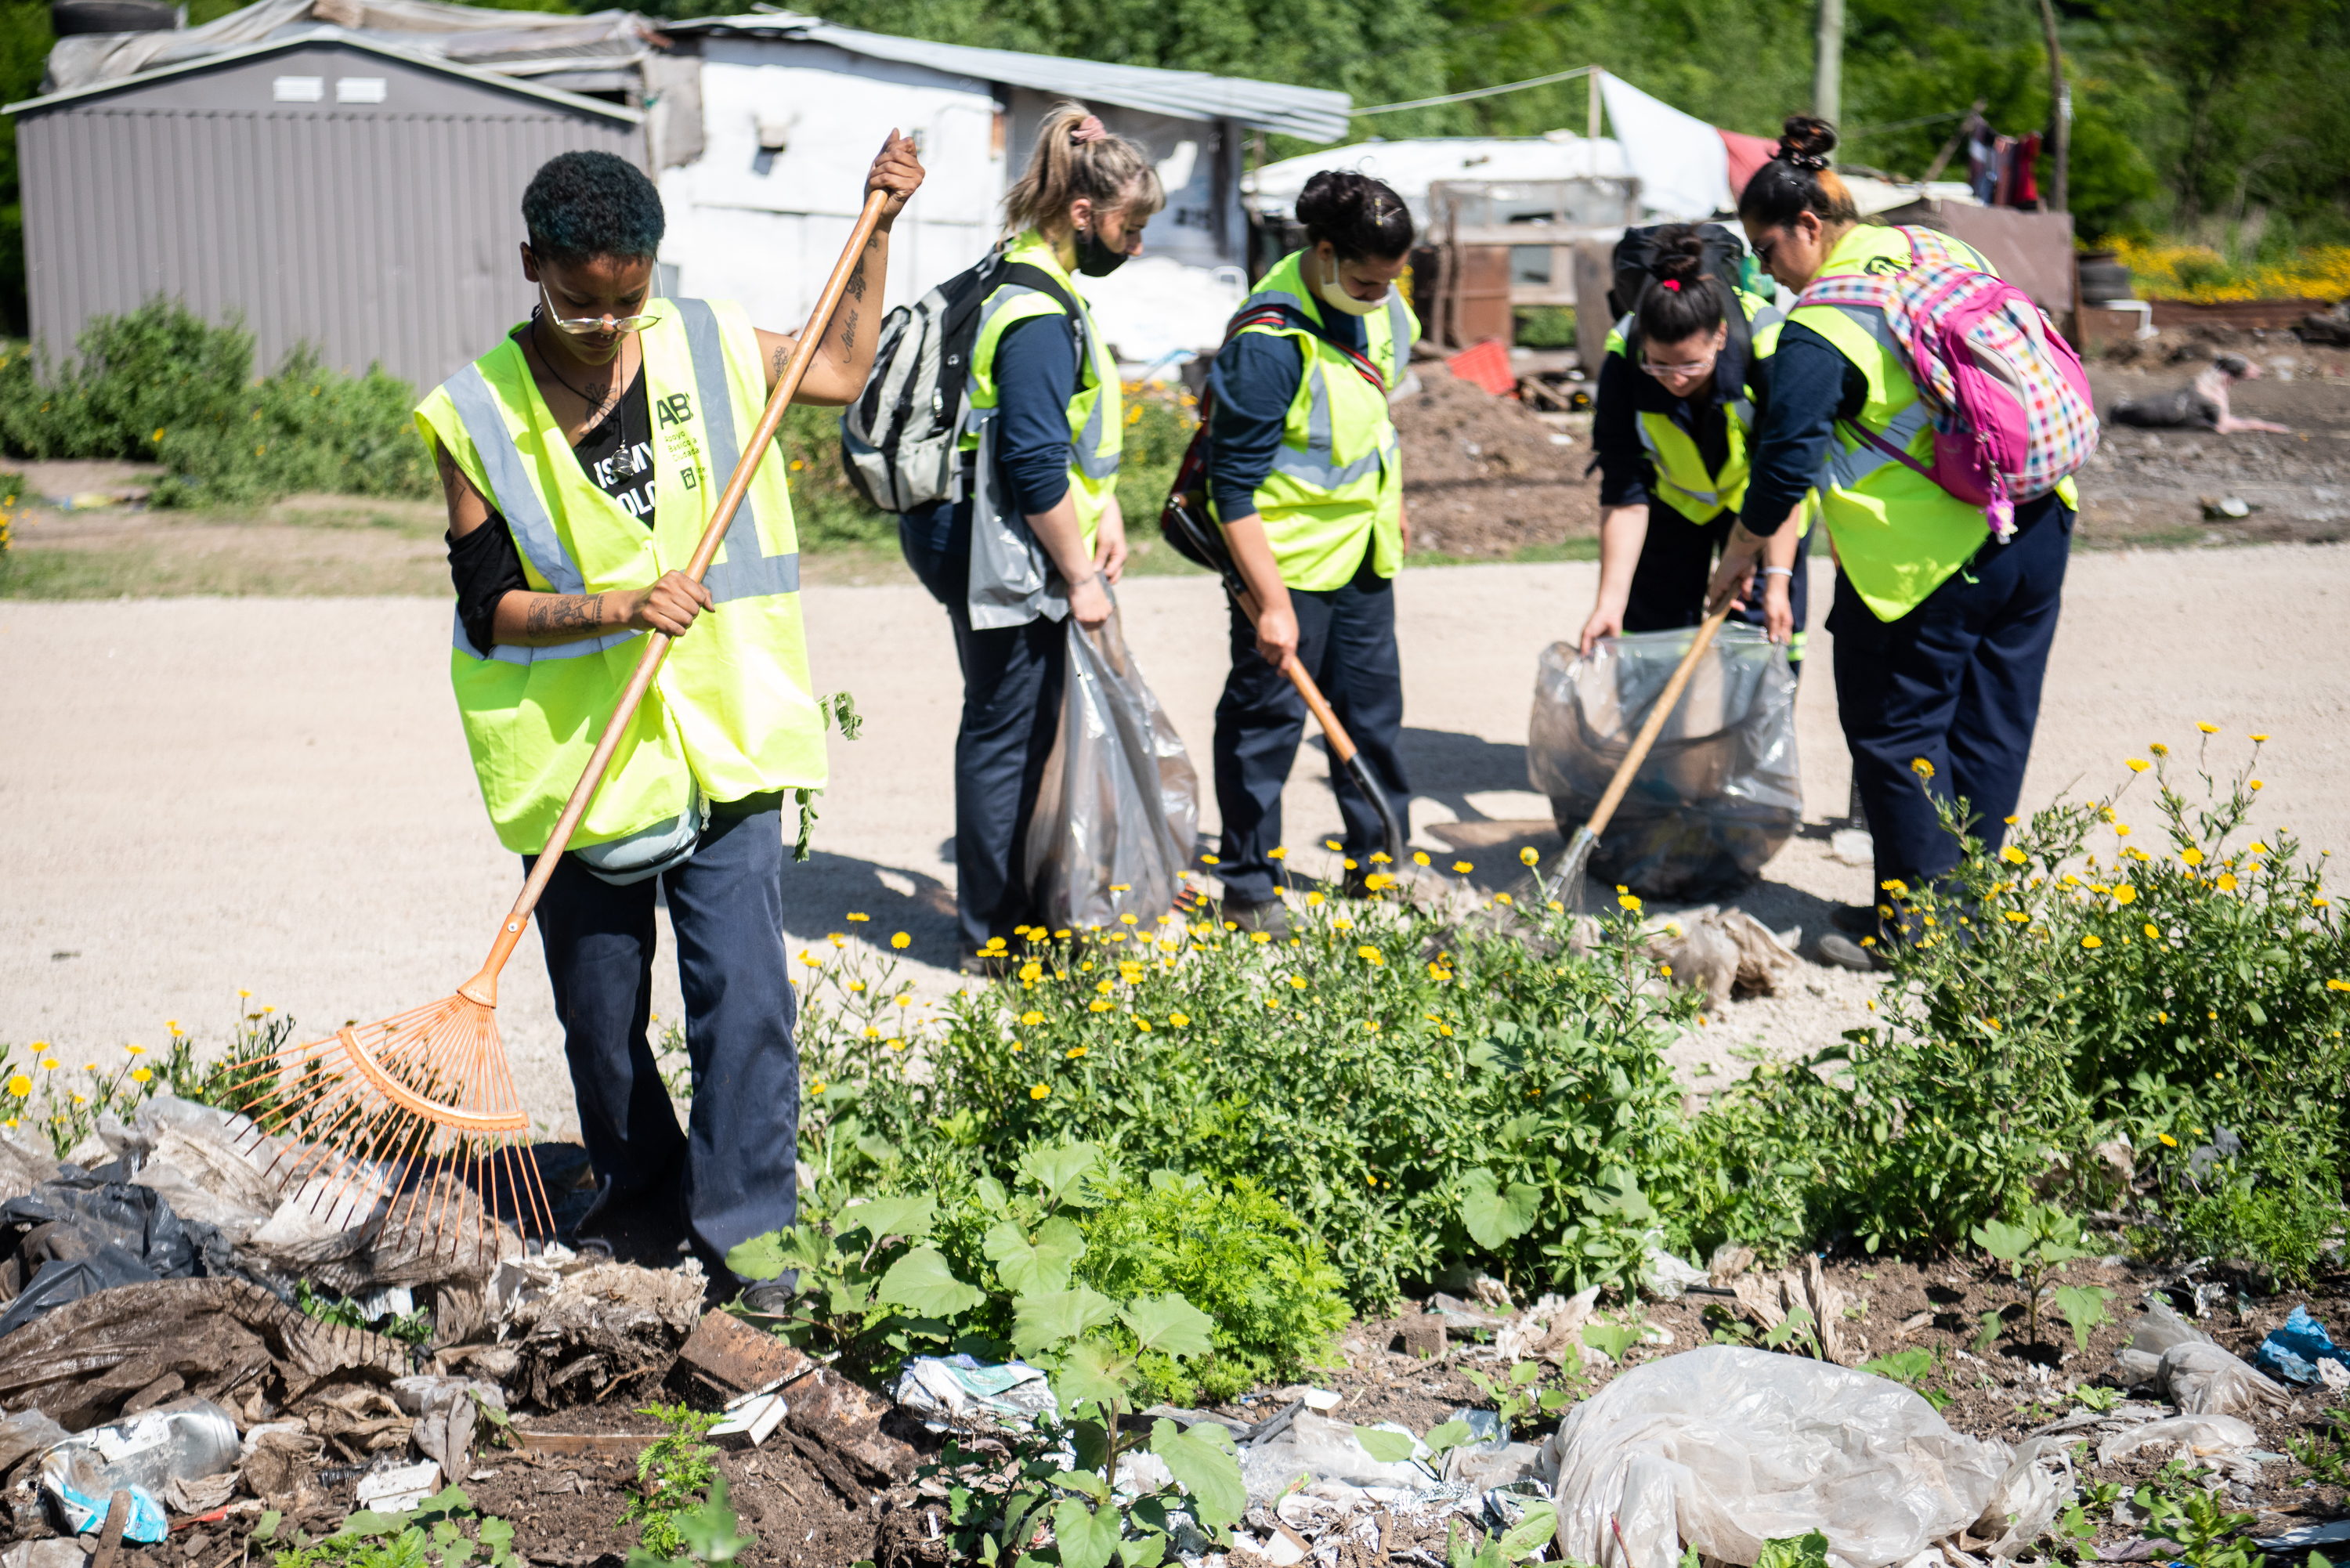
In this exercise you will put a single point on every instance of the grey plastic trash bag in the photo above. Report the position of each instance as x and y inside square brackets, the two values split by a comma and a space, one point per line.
[1119, 803]
[1719, 791]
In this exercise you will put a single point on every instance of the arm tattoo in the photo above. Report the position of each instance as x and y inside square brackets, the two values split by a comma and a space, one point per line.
[848, 331]
[563, 612]
[856, 280]
[781, 358]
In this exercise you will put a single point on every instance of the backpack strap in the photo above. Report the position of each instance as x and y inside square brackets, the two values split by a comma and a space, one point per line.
[1272, 313]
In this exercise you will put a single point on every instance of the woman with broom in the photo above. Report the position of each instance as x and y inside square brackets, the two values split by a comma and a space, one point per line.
[581, 458]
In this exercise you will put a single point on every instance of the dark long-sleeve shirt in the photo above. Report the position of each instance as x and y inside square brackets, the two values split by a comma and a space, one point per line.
[1812, 385]
[1254, 379]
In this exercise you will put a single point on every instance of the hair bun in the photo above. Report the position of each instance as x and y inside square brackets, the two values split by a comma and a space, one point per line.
[1805, 143]
[1680, 257]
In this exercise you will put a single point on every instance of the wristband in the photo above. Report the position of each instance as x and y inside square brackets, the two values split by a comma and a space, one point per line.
[1081, 582]
[1778, 571]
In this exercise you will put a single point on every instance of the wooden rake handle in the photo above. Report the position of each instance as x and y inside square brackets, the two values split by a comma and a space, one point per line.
[1666, 702]
[483, 987]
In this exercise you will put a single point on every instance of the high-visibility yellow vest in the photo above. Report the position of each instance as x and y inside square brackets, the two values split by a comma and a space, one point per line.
[732, 709]
[1683, 482]
[1338, 471]
[1096, 410]
[1898, 535]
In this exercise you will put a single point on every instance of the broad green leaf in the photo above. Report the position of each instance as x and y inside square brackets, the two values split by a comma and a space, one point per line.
[1086, 1481]
[922, 1283]
[1617, 1193]
[1493, 1216]
[891, 1216]
[1090, 1441]
[2083, 1307]
[1170, 1325]
[1795, 1322]
[1388, 1447]
[1058, 1168]
[709, 1529]
[1090, 1376]
[991, 1195]
[1040, 1323]
[2003, 1241]
[367, 1522]
[1611, 1339]
[1797, 1551]
[1902, 1366]
[1037, 1268]
[1538, 1529]
[1203, 1459]
[1449, 1435]
[1144, 1552]
[1525, 1372]
[1087, 1537]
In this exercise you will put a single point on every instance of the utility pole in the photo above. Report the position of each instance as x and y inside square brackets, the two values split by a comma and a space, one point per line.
[2060, 102]
[1827, 73]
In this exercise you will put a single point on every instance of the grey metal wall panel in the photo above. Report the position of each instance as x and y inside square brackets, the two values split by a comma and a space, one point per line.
[378, 237]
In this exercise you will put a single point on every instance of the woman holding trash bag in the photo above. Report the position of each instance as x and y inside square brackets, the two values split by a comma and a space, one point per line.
[1042, 459]
[1306, 476]
[1942, 633]
[1678, 394]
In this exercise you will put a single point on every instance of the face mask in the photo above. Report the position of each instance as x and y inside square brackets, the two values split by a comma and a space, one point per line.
[1095, 259]
[1335, 294]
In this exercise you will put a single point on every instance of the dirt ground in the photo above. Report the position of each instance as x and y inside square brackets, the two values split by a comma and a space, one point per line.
[1486, 477]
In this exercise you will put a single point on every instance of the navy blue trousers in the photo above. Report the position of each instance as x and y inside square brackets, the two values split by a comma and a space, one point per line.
[1956, 681]
[1676, 567]
[1011, 682]
[1346, 642]
[735, 1168]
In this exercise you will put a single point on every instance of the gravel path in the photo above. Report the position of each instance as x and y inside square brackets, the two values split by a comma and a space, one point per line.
[206, 795]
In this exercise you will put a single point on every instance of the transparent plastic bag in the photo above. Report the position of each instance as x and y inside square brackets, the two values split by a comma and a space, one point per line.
[1719, 794]
[1118, 804]
[1724, 1448]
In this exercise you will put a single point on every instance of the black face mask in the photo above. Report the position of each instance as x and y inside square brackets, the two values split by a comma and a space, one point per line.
[1095, 259]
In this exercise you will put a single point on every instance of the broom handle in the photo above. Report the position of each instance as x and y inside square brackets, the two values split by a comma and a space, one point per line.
[482, 987]
[1663, 710]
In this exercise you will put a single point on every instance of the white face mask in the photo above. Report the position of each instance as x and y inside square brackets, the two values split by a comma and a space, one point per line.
[1333, 294]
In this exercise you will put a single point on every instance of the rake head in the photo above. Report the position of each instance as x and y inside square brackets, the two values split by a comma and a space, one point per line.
[411, 1124]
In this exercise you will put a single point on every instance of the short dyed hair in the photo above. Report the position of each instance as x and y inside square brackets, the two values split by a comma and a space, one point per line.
[581, 205]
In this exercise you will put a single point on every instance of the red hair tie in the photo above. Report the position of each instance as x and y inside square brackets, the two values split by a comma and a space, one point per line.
[1672, 283]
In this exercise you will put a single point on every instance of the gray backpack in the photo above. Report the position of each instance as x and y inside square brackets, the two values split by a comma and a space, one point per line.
[898, 440]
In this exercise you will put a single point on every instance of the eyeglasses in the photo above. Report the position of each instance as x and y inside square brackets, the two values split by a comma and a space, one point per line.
[1699, 368]
[592, 325]
[1762, 253]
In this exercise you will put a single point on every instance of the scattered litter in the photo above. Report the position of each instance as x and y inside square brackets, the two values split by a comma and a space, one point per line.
[1767, 1300]
[399, 1488]
[2200, 1437]
[754, 1415]
[1723, 954]
[2186, 1368]
[1321, 1399]
[1459, 1315]
[1664, 1276]
[77, 1235]
[280, 1463]
[2218, 508]
[1719, 794]
[1314, 1447]
[1853, 847]
[1551, 1330]
[605, 1331]
[2296, 1542]
[1728, 1448]
[1485, 1467]
[957, 1393]
[444, 1409]
[2296, 1351]
[57, 1552]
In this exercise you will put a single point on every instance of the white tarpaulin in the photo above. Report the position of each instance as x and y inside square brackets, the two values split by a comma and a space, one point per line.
[1683, 167]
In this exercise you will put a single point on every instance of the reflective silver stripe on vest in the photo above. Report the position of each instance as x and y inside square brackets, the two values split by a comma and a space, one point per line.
[1656, 458]
[1085, 447]
[746, 573]
[1843, 470]
[1398, 333]
[510, 486]
[1317, 464]
[510, 653]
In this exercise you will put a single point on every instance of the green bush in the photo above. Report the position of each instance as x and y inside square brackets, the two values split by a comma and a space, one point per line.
[1545, 325]
[2088, 988]
[162, 385]
[1234, 1253]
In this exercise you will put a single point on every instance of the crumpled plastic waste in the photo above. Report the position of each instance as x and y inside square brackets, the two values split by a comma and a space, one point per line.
[1314, 1447]
[1723, 953]
[77, 1235]
[958, 1393]
[1550, 1330]
[1118, 803]
[186, 1440]
[1664, 1276]
[2186, 1368]
[2203, 1438]
[1719, 793]
[2294, 1350]
[1724, 1448]
[445, 1409]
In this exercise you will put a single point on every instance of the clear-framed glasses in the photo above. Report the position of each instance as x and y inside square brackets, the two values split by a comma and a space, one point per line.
[1697, 367]
[592, 325]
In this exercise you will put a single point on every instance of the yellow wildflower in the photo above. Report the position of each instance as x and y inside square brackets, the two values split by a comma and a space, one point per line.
[1278, 852]
[2192, 857]
[2227, 883]
[20, 1085]
[2168, 1141]
[1075, 1053]
[2013, 856]
[1179, 1019]
[1420, 856]
[1921, 767]
[1629, 902]
[1031, 1018]
[2092, 943]
[1369, 954]
[1040, 1091]
[2207, 729]
[2138, 765]
[1464, 866]
[2153, 932]
[901, 941]
[2125, 893]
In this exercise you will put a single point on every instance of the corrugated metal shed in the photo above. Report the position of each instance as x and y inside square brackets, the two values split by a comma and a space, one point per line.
[1316, 114]
[329, 187]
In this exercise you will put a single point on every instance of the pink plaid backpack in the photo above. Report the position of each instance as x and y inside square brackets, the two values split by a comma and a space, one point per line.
[2010, 403]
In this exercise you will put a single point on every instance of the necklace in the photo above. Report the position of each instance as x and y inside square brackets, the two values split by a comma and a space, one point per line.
[596, 406]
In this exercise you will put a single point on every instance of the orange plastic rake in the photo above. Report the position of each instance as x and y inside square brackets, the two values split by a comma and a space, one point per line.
[419, 1111]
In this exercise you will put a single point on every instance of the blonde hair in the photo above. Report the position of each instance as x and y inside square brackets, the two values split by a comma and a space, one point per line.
[1075, 156]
